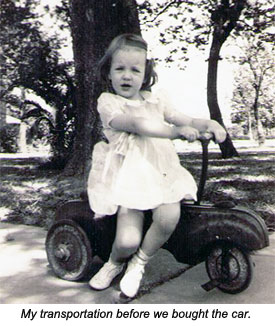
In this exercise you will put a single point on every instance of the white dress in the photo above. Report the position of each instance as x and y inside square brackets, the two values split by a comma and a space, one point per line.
[133, 171]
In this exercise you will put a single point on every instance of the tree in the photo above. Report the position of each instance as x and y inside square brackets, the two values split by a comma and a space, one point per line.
[93, 24]
[206, 22]
[252, 96]
[30, 60]
[16, 32]
[224, 19]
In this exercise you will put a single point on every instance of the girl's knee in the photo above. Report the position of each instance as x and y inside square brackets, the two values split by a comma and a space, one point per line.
[129, 231]
[128, 242]
[167, 217]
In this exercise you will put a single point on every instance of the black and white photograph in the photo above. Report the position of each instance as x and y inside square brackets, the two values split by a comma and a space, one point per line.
[137, 161]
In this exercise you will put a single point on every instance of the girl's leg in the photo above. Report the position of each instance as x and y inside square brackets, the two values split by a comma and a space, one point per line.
[128, 234]
[165, 219]
[127, 240]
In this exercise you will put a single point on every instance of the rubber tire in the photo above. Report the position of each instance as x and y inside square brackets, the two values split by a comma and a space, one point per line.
[69, 234]
[241, 268]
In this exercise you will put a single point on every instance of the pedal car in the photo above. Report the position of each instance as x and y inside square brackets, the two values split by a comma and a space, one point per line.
[222, 234]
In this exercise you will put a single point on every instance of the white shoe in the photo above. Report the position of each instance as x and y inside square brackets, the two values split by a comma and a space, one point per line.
[130, 282]
[103, 278]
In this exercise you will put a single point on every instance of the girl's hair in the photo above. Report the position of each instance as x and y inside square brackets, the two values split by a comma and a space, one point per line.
[119, 42]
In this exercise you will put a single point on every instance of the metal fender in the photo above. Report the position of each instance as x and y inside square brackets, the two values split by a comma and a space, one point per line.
[74, 208]
[202, 226]
[100, 231]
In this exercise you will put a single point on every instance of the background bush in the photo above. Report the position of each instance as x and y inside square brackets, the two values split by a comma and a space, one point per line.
[8, 138]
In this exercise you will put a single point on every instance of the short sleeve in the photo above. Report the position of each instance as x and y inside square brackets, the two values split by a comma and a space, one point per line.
[108, 108]
[169, 112]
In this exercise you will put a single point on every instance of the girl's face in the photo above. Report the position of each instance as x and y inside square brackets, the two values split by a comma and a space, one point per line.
[127, 71]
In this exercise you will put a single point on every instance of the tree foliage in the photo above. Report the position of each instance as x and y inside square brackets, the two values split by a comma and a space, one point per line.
[208, 23]
[253, 96]
[182, 24]
[30, 60]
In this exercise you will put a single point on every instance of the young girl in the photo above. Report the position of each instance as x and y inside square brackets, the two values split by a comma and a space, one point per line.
[139, 168]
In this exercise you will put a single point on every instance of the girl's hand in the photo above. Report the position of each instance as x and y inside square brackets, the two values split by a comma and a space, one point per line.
[220, 135]
[218, 131]
[188, 133]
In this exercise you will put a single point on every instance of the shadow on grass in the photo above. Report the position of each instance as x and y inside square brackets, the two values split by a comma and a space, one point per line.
[29, 195]
[249, 180]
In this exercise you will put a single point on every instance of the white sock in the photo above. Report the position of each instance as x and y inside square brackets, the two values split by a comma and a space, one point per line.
[142, 257]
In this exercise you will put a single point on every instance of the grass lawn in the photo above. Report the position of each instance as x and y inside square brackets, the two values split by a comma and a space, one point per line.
[29, 195]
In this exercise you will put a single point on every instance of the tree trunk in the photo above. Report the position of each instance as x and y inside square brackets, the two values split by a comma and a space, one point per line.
[259, 127]
[224, 19]
[249, 123]
[93, 24]
[227, 147]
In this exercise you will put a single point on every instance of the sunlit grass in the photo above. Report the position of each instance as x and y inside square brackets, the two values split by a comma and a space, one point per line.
[4, 212]
[234, 193]
[260, 178]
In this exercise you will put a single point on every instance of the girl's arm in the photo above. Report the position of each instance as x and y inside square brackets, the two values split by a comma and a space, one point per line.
[202, 125]
[145, 127]
[182, 127]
